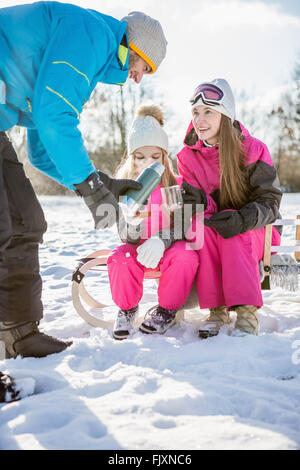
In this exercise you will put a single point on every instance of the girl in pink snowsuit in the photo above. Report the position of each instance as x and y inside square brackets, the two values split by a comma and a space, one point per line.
[153, 250]
[224, 166]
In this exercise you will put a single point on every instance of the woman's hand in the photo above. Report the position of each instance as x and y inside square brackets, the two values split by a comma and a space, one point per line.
[227, 223]
[195, 197]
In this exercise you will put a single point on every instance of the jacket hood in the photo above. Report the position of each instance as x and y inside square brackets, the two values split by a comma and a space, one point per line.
[116, 70]
[192, 140]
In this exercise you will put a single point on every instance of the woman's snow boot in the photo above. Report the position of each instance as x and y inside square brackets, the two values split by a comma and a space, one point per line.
[247, 321]
[217, 318]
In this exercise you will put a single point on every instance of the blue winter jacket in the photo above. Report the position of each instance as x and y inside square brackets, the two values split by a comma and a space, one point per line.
[52, 55]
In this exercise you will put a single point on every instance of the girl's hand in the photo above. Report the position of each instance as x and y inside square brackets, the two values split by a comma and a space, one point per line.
[151, 252]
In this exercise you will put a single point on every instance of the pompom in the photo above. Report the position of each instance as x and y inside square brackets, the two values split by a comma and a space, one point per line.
[151, 110]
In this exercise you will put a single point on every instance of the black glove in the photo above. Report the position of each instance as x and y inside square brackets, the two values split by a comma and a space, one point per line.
[118, 186]
[227, 223]
[194, 196]
[101, 202]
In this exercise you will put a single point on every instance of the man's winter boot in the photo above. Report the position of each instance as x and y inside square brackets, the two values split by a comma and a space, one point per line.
[26, 340]
[8, 389]
[124, 323]
[247, 321]
[217, 318]
[158, 320]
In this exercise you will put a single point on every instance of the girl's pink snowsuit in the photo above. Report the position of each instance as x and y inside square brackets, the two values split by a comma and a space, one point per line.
[178, 266]
[228, 271]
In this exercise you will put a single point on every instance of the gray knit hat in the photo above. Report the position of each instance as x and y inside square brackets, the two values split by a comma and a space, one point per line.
[226, 105]
[147, 129]
[146, 38]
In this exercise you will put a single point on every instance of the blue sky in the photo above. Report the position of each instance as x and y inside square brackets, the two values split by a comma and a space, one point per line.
[287, 6]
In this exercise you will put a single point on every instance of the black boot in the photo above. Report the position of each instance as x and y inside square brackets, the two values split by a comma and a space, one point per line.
[26, 340]
[8, 389]
[158, 320]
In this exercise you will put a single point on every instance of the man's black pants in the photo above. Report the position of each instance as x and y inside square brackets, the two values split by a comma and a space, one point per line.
[22, 225]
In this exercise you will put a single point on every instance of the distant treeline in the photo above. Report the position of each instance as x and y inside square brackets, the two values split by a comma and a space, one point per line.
[107, 116]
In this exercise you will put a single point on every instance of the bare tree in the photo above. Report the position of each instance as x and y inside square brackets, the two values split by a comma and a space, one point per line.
[286, 118]
[104, 124]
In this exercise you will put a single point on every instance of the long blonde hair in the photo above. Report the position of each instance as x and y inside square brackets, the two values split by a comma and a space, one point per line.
[233, 186]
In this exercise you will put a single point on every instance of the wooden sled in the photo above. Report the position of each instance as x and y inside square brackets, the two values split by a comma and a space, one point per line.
[99, 258]
[80, 294]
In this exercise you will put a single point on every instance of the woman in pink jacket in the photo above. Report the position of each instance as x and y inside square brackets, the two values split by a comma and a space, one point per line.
[155, 249]
[222, 163]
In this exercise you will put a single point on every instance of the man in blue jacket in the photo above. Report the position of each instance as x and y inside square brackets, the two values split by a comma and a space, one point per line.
[52, 55]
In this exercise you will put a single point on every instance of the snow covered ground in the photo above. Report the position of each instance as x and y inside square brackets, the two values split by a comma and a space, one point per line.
[151, 392]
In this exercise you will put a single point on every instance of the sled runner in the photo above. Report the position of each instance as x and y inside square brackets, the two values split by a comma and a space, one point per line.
[79, 292]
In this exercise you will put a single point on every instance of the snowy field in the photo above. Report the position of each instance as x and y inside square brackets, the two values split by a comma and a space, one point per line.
[151, 392]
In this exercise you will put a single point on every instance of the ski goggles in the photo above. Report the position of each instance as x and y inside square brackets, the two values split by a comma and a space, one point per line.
[210, 94]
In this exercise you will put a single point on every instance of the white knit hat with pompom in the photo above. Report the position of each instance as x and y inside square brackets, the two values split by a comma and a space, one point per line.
[147, 129]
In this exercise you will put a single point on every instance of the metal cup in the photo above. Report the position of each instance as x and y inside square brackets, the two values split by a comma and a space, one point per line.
[172, 197]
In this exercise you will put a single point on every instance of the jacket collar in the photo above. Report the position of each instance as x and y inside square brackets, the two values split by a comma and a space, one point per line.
[116, 72]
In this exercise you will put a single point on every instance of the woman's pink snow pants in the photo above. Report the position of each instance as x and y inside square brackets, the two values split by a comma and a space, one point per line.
[178, 268]
[228, 271]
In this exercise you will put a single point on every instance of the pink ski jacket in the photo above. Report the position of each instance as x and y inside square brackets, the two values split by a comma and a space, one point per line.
[199, 166]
